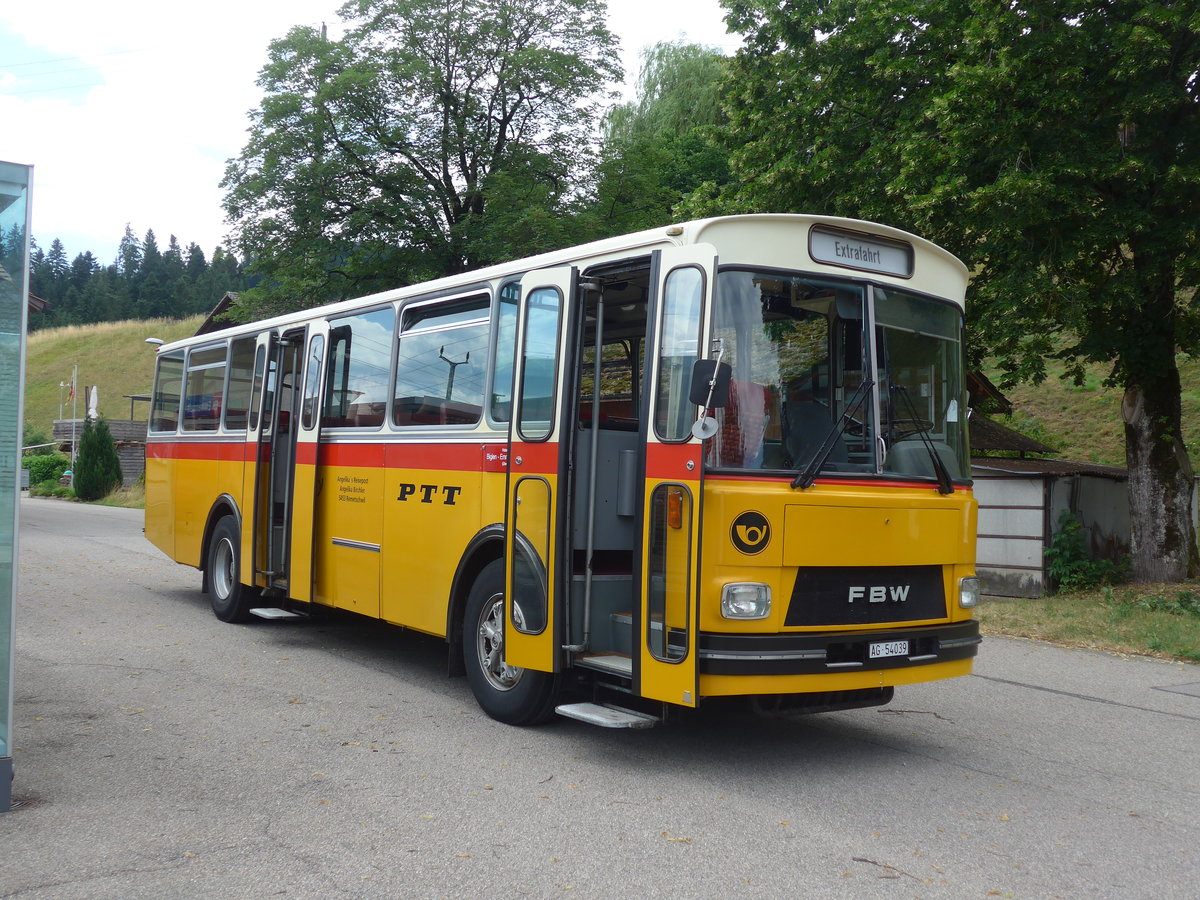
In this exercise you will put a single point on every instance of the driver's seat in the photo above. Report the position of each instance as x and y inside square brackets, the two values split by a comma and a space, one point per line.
[806, 425]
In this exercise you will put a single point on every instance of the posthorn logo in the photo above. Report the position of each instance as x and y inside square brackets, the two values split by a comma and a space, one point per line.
[751, 532]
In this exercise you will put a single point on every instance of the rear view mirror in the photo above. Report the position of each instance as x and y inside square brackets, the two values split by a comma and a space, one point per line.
[710, 384]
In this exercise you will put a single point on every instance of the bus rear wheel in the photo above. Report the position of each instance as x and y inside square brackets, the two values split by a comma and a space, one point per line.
[508, 694]
[231, 600]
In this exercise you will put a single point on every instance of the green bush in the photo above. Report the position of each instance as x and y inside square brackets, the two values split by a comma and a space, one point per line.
[1067, 562]
[45, 468]
[34, 437]
[97, 469]
[52, 489]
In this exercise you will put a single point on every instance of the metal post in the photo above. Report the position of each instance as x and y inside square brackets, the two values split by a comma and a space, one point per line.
[74, 413]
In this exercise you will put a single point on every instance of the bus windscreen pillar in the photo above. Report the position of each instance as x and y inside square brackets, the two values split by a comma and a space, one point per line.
[14, 292]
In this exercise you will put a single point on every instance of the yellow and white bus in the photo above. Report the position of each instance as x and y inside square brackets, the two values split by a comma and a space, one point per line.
[726, 458]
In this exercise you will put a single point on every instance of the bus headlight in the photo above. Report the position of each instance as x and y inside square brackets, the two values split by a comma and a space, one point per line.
[968, 592]
[746, 600]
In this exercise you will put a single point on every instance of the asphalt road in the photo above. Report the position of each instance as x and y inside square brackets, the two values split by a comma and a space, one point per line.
[161, 753]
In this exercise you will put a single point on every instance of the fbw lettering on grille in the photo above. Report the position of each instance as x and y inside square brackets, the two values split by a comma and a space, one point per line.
[879, 593]
[854, 595]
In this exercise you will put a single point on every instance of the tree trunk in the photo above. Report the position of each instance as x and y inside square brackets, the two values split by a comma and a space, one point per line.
[1161, 483]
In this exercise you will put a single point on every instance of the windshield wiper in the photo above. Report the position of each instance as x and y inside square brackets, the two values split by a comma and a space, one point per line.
[805, 478]
[945, 482]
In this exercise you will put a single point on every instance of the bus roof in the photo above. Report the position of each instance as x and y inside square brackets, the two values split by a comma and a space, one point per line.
[747, 240]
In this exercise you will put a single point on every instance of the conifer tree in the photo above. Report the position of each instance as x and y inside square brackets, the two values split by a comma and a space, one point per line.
[97, 469]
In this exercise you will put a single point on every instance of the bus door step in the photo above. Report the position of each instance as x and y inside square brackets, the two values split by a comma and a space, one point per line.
[274, 612]
[606, 716]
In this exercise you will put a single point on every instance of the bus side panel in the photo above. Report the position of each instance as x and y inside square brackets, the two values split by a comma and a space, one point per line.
[200, 473]
[160, 498]
[349, 526]
[433, 510]
[306, 482]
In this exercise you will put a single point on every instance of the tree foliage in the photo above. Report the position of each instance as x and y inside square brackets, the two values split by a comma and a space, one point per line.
[142, 281]
[376, 159]
[97, 470]
[666, 143]
[1054, 145]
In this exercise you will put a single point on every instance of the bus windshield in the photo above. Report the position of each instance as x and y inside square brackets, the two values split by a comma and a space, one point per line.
[804, 393]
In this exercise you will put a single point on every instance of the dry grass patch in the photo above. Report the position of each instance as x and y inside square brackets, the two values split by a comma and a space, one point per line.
[1150, 619]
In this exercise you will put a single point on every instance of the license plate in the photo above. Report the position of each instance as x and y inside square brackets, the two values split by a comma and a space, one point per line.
[884, 649]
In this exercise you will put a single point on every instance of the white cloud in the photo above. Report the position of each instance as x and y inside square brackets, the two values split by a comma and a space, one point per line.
[171, 86]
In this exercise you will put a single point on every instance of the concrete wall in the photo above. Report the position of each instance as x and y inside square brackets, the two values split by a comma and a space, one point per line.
[1012, 534]
[1019, 514]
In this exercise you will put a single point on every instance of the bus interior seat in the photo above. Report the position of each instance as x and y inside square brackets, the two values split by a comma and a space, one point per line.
[743, 425]
[615, 415]
[910, 456]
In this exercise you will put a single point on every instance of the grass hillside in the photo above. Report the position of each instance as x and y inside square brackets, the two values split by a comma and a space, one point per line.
[114, 356]
[1084, 423]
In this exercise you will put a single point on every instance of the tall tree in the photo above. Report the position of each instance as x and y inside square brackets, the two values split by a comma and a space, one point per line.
[1053, 144]
[370, 159]
[129, 254]
[666, 143]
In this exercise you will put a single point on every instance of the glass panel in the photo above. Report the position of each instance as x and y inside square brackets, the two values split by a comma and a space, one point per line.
[673, 413]
[205, 387]
[360, 362]
[440, 366]
[531, 520]
[669, 572]
[14, 288]
[260, 366]
[796, 348]
[618, 401]
[241, 382]
[540, 361]
[921, 384]
[168, 389]
[505, 353]
[312, 379]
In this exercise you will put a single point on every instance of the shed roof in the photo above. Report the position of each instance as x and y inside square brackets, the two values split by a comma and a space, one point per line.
[990, 436]
[1046, 467]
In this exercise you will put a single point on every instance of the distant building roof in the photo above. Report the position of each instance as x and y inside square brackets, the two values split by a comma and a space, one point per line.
[213, 323]
[986, 395]
[988, 436]
[1047, 467]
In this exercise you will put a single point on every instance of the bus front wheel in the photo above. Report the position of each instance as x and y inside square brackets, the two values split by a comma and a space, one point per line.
[506, 693]
[231, 600]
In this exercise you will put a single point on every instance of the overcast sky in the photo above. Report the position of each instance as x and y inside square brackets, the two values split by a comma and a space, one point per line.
[128, 111]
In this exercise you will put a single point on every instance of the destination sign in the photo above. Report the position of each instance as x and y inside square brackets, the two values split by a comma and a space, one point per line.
[858, 251]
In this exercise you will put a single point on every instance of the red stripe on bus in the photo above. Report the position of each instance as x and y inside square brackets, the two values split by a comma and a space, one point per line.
[541, 459]
[669, 462]
[223, 451]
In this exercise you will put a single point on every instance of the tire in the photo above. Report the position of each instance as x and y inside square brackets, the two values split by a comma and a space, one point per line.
[508, 694]
[231, 600]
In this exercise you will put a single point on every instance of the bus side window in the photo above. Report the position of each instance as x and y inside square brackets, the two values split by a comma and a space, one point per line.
[241, 382]
[168, 391]
[679, 345]
[204, 388]
[440, 363]
[360, 362]
[505, 351]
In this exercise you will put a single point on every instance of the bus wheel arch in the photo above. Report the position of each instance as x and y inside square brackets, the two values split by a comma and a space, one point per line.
[510, 695]
[230, 599]
[484, 548]
[224, 506]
